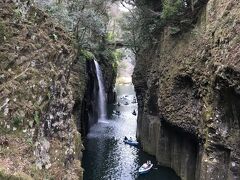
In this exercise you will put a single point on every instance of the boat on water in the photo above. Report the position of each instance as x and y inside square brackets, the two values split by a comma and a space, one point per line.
[145, 168]
[134, 100]
[117, 113]
[126, 103]
[130, 142]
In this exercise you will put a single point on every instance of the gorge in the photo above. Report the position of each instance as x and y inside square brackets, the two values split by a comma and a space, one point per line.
[105, 155]
[60, 60]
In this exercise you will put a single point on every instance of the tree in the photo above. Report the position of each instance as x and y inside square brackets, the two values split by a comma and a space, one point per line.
[146, 20]
[86, 19]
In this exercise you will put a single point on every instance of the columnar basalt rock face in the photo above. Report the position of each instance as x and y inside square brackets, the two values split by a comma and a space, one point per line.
[189, 96]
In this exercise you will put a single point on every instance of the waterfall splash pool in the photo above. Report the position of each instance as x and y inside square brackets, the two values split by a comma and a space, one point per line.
[106, 157]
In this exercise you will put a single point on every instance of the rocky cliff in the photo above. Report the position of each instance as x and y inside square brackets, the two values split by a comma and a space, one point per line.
[48, 94]
[187, 87]
[41, 81]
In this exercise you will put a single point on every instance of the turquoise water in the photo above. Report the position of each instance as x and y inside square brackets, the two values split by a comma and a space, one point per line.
[106, 157]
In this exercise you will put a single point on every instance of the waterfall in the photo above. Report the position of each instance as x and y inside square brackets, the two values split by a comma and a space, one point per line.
[101, 93]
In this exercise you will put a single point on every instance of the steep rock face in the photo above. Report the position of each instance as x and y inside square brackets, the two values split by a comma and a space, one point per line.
[188, 94]
[109, 75]
[41, 81]
[89, 113]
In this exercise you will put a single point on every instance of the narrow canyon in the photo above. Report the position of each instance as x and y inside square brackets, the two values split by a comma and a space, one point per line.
[78, 76]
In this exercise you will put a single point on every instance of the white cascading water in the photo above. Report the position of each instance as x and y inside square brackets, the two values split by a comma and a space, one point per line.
[101, 93]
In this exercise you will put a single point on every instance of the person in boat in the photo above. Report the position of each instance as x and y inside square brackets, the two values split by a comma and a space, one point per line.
[134, 100]
[118, 112]
[130, 139]
[149, 163]
[134, 112]
[145, 165]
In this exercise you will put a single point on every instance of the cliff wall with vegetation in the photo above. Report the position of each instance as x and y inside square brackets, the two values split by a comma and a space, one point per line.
[47, 84]
[39, 71]
[187, 83]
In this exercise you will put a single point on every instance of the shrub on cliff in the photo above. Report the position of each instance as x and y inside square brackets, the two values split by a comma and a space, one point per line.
[171, 9]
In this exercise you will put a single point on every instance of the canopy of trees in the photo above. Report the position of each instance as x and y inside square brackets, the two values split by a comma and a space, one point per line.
[87, 19]
[147, 18]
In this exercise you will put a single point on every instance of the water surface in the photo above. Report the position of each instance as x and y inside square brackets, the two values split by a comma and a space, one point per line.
[106, 157]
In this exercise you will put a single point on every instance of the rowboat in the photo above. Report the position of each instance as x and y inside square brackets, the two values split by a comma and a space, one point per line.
[130, 142]
[145, 168]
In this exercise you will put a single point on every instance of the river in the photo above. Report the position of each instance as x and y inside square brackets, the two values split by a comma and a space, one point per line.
[106, 157]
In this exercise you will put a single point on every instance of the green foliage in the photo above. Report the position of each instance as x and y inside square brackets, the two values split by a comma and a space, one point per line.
[107, 54]
[87, 20]
[60, 13]
[17, 13]
[145, 22]
[87, 54]
[131, 26]
[110, 36]
[117, 55]
[30, 141]
[171, 9]
[36, 117]
[17, 121]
